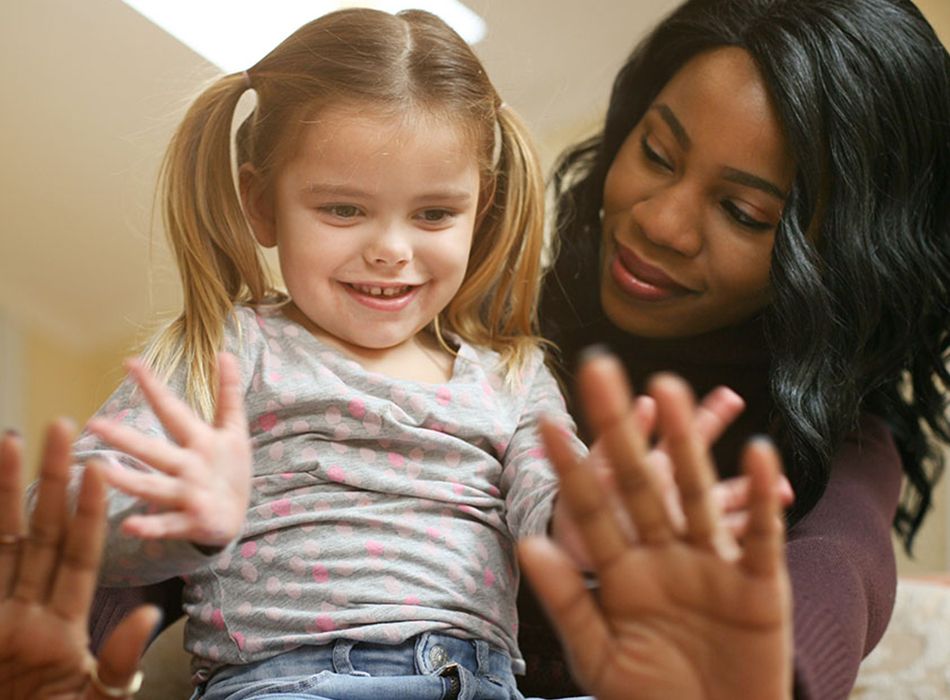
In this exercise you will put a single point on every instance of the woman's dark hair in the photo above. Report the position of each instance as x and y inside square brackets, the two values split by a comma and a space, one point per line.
[861, 266]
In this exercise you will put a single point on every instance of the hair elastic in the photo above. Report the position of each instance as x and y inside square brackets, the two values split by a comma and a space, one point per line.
[247, 79]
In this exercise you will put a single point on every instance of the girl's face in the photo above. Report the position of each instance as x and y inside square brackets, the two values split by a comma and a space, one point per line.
[692, 201]
[373, 219]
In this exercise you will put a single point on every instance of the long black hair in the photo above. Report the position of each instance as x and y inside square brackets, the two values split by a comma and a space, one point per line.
[860, 272]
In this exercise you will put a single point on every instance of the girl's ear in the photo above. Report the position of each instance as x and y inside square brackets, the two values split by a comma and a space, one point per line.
[258, 205]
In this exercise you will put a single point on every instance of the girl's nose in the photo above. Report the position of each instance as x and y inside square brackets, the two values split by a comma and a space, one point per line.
[671, 218]
[389, 248]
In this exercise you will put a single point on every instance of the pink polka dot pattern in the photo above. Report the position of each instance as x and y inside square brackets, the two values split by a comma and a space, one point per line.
[380, 508]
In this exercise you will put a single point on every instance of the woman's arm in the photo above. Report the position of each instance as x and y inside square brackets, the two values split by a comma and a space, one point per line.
[841, 562]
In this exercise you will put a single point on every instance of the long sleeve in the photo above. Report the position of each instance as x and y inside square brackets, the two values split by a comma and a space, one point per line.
[842, 567]
[528, 482]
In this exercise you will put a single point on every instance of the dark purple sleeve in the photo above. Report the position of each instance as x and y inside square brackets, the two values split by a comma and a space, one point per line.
[111, 605]
[841, 562]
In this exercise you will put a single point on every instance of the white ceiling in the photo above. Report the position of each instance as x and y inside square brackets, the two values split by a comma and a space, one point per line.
[91, 91]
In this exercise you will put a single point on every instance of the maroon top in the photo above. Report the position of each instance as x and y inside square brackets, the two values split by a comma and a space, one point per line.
[840, 555]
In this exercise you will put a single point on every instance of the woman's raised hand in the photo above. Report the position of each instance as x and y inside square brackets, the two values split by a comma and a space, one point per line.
[201, 488]
[685, 612]
[47, 579]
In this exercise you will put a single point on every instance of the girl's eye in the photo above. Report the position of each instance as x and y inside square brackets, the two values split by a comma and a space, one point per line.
[744, 219]
[435, 216]
[341, 211]
[652, 155]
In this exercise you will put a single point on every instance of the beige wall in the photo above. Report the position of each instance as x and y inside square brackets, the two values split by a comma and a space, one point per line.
[62, 381]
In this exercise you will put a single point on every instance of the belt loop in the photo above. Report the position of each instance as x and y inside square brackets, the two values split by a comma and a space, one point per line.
[482, 652]
[421, 654]
[341, 656]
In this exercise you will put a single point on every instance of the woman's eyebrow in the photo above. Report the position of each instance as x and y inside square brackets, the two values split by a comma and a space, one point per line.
[741, 177]
[679, 132]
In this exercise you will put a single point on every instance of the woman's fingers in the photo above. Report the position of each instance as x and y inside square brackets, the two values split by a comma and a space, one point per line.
[177, 417]
[603, 387]
[693, 469]
[11, 509]
[763, 545]
[119, 659]
[569, 604]
[79, 564]
[47, 525]
[586, 502]
[229, 411]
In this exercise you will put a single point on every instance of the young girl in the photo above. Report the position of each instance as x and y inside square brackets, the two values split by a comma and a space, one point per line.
[360, 543]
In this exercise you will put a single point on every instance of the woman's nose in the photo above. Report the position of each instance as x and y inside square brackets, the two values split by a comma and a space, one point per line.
[671, 218]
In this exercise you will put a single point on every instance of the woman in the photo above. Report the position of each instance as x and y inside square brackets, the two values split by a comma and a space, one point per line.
[767, 208]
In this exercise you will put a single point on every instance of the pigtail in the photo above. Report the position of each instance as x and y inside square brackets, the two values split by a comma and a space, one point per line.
[497, 304]
[219, 262]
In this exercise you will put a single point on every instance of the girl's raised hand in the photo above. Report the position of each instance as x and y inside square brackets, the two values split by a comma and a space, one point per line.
[201, 488]
[685, 612]
[47, 579]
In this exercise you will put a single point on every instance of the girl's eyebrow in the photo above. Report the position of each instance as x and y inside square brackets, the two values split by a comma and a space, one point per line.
[326, 188]
[740, 177]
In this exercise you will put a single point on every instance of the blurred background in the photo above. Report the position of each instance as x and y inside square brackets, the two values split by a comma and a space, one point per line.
[91, 92]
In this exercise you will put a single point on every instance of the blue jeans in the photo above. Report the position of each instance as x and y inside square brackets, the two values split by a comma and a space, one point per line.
[428, 667]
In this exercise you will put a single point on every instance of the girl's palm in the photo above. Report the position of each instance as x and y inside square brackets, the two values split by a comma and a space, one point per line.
[201, 486]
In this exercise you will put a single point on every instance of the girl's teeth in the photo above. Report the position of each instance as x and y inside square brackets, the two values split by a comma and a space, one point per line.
[381, 291]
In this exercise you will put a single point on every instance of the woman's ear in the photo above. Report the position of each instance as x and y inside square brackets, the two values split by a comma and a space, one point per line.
[258, 205]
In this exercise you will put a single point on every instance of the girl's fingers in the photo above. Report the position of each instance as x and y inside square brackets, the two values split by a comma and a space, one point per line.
[172, 526]
[604, 389]
[156, 489]
[716, 412]
[177, 417]
[47, 525]
[692, 470]
[11, 509]
[644, 408]
[229, 411]
[155, 452]
[79, 564]
[119, 659]
[569, 605]
[763, 545]
[586, 502]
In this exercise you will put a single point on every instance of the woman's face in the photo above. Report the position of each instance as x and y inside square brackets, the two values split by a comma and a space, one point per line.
[692, 201]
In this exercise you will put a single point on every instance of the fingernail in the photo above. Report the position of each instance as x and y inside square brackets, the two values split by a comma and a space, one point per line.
[763, 437]
[594, 351]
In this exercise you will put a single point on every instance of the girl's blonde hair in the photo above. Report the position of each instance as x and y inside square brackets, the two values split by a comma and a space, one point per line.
[400, 64]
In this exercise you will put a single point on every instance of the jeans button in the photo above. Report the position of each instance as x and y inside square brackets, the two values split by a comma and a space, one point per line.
[438, 656]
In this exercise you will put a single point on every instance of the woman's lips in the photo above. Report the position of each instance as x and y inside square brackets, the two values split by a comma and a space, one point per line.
[641, 280]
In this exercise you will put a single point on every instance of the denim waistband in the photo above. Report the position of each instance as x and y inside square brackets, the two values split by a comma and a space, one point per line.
[428, 654]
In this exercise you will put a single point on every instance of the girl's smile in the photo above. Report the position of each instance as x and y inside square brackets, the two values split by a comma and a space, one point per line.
[373, 218]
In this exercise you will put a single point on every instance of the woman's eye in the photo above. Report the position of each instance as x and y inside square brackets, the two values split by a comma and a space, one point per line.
[652, 155]
[744, 219]
[341, 211]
